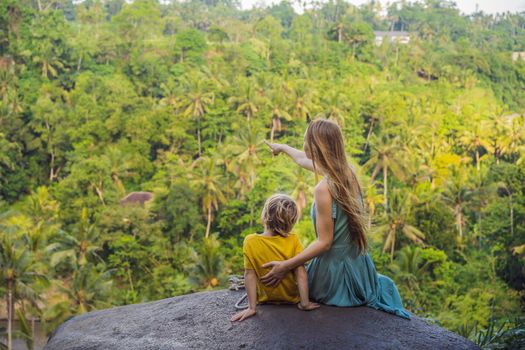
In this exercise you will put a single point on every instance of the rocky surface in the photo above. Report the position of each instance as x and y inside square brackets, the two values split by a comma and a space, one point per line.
[201, 321]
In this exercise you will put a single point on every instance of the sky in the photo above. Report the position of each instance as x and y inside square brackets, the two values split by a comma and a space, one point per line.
[465, 6]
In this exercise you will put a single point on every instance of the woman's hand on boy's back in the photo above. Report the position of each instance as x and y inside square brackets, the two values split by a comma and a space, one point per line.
[242, 315]
[276, 274]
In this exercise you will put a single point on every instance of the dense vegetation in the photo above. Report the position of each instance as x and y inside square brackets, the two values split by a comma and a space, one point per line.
[103, 98]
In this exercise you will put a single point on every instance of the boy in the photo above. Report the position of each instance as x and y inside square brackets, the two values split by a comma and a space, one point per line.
[279, 215]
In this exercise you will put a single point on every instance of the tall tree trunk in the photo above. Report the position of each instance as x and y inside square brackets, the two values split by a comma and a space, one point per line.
[100, 194]
[208, 226]
[480, 226]
[477, 160]
[118, 184]
[130, 280]
[52, 165]
[251, 215]
[459, 223]
[392, 247]
[369, 133]
[33, 326]
[9, 314]
[199, 136]
[511, 217]
[385, 186]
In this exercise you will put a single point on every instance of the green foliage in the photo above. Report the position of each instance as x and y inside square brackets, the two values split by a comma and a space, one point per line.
[100, 99]
[190, 44]
[207, 271]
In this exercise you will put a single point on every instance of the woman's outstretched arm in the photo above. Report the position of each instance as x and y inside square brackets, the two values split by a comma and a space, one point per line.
[325, 233]
[298, 156]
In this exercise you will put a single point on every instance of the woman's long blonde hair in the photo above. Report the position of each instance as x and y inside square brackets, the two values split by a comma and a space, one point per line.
[325, 142]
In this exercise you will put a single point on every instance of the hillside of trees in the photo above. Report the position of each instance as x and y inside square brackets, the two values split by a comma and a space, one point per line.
[102, 98]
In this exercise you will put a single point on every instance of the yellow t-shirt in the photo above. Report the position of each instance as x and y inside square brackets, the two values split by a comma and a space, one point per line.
[258, 250]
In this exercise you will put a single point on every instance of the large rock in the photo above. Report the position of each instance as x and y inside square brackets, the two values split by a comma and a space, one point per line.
[201, 321]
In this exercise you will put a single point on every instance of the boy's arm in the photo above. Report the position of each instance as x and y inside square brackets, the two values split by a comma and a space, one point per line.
[250, 283]
[302, 284]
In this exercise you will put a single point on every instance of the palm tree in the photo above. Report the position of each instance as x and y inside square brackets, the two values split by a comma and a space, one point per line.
[372, 200]
[416, 169]
[408, 267]
[507, 189]
[208, 178]
[335, 106]
[48, 60]
[515, 137]
[426, 151]
[41, 206]
[303, 100]
[18, 272]
[457, 193]
[7, 77]
[244, 147]
[6, 148]
[208, 263]
[248, 100]
[396, 223]
[357, 34]
[121, 166]
[409, 260]
[475, 140]
[8, 87]
[497, 138]
[39, 222]
[199, 98]
[386, 154]
[26, 331]
[277, 102]
[338, 31]
[263, 82]
[301, 188]
[87, 290]
[481, 195]
[50, 120]
[170, 93]
[78, 247]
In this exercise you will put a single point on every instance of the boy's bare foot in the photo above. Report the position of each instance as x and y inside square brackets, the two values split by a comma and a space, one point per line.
[308, 307]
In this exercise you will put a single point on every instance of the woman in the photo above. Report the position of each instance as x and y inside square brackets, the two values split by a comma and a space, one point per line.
[341, 271]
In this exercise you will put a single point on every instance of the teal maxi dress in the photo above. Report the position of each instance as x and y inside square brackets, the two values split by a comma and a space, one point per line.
[341, 277]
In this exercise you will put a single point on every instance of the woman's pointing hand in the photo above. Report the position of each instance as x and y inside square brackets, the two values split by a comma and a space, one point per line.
[275, 147]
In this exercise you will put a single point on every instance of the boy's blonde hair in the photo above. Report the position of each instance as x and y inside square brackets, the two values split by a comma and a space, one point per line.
[279, 214]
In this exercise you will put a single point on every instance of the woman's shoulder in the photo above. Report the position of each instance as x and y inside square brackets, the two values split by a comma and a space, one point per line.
[322, 184]
[322, 192]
